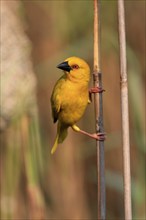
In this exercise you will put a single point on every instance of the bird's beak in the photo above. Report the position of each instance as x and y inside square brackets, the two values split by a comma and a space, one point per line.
[64, 66]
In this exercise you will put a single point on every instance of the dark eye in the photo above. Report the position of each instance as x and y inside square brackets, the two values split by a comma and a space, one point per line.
[75, 66]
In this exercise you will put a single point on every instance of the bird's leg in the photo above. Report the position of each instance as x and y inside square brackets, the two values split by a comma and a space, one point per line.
[95, 90]
[98, 136]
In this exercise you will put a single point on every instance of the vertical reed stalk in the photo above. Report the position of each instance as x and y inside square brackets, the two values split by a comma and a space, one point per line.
[125, 112]
[97, 80]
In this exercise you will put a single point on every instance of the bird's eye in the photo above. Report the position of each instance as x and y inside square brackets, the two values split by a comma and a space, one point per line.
[75, 66]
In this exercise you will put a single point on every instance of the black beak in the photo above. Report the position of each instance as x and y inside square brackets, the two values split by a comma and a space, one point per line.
[64, 66]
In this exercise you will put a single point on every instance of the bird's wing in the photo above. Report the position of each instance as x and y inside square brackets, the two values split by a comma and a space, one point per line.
[56, 99]
[55, 108]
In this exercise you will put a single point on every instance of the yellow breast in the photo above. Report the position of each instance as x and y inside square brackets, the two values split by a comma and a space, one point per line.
[74, 100]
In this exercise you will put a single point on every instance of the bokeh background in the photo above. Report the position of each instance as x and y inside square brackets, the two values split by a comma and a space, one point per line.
[35, 37]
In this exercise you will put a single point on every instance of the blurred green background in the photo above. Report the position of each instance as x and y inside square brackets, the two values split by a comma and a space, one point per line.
[35, 37]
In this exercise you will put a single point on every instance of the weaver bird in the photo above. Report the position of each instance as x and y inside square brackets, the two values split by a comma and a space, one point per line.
[70, 97]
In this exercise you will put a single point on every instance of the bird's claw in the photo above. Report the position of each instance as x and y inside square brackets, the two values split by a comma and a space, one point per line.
[99, 136]
[96, 90]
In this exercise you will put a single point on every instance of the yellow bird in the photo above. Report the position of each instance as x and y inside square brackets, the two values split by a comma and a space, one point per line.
[70, 97]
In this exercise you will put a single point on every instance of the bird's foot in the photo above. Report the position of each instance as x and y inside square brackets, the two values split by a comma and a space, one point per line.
[100, 136]
[97, 136]
[96, 90]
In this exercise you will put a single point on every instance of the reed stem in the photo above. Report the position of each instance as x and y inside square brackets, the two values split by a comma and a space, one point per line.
[125, 112]
[97, 80]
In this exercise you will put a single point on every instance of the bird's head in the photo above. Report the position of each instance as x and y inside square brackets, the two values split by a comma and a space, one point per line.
[75, 68]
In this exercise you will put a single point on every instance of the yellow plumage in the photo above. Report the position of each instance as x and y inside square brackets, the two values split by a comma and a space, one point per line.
[70, 96]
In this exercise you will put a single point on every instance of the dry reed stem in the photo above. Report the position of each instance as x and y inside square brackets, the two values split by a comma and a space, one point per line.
[125, 112]
[97, 78]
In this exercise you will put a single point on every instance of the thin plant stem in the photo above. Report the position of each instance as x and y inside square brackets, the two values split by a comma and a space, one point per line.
[125, 112]
[97, 80]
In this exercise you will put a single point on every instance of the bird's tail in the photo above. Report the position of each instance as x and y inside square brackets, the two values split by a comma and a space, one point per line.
[61, 135]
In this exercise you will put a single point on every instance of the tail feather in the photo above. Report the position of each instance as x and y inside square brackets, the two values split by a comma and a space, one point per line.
[55, 145]
[61, 135]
